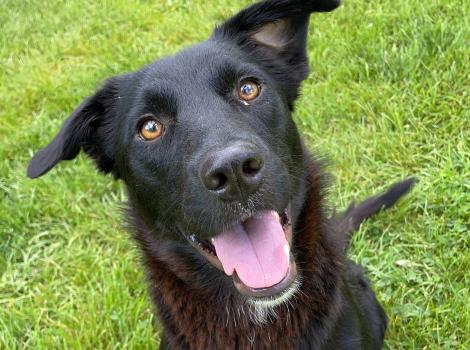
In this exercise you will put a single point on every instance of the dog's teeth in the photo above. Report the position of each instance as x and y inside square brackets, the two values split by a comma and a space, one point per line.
[286, 250]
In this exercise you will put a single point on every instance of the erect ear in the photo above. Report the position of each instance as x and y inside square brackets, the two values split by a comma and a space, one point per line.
[274, 33]
[88, 128]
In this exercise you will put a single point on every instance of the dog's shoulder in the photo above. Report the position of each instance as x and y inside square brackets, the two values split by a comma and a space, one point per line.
[361, 321]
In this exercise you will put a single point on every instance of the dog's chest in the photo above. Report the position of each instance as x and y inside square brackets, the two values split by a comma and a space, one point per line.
[201, 324]
[192, 321]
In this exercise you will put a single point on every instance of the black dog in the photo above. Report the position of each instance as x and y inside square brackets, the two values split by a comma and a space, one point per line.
[227, 204]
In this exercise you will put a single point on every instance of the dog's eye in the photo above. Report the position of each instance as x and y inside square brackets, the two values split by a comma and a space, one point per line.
[248, 90]
[151, 129]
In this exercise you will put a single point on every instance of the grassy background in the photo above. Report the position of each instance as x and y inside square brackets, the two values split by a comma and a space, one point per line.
[388, 97]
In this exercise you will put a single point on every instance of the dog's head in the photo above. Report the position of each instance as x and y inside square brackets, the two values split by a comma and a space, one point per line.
[205, 143]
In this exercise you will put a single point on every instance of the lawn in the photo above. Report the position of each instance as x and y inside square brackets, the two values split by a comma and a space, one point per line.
[388, 97]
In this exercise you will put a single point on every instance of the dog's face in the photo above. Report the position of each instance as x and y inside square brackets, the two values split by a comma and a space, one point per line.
[205, 143]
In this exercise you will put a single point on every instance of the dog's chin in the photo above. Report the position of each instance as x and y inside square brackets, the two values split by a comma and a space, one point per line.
[256, 252]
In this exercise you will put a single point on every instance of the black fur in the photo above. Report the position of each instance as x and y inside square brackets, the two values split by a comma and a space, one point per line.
[206, 127]
[353, 217]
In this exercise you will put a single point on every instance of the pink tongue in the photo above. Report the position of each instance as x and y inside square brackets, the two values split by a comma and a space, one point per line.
[257, 250]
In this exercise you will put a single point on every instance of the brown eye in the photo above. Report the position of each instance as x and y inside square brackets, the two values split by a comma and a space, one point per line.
[151, 129]
[249, 90]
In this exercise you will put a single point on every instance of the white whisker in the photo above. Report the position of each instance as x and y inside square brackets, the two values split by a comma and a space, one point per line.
[262, 310]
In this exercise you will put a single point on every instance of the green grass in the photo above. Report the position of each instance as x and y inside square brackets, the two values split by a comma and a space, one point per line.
[388, 97]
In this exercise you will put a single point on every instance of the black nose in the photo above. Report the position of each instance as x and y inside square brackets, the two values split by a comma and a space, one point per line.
[233, 172]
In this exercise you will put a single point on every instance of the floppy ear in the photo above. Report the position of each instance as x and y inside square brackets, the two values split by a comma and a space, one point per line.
[274, 34]
[88, 128]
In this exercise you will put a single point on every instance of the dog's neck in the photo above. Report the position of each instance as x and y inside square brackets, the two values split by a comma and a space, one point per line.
[199, 310]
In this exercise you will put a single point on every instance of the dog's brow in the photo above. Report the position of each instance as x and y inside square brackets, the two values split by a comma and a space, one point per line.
[222, 78]
[225, 73]
[225, 76]
[161, 100]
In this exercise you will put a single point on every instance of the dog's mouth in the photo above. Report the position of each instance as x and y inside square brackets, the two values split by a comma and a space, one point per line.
[256, 252]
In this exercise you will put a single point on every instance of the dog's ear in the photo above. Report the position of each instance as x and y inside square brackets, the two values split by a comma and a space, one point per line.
[88, 128]
[274, 33]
